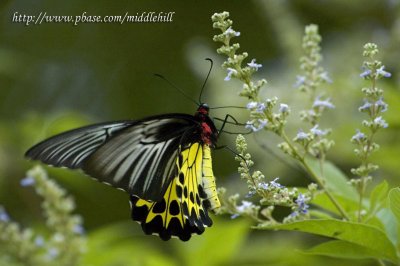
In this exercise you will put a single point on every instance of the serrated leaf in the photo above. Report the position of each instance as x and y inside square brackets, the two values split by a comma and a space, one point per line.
[360, 234]
[342, 249]
[336, 181]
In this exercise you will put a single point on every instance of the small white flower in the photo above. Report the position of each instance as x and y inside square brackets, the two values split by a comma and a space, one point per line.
[263, 185]
[249, 125]
[284, 108]
[262, 123]
[231, 72]
[300, 80]
[231, 32]
[365, 107]
[380, 122]
[253, 64]
[381, 105]
[301, 135]
[366, 73]
[275, 184]
[301, 202]
[27, 181]
[358, 137]
[318, 132]
[271, 184]
[294, 214]
[324, 75]
[250, 194]
[246, 205]
[381, 71]
[323, 103]
[260, 107]
[271, 101]
[251, 105]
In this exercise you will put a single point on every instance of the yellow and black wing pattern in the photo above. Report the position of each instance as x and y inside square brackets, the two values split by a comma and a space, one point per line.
[162, 161]
[184, 207]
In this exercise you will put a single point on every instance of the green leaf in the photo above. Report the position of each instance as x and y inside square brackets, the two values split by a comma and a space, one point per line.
[394, 202]
[319, 214]
[336, 181]
[389, 224]
[323, 201]
[378, 196]
[207, 250]
[117, 245]
[363, 235]
[342, 249]
[376, 222]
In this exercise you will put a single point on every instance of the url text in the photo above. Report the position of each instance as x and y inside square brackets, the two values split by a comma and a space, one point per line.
[43, 17]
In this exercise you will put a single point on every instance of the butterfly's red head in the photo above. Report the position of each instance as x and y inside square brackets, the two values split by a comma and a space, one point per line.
[203, 109]
[208, 131]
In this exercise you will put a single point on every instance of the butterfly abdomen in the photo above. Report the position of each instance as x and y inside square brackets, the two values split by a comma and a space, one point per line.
[209, 187]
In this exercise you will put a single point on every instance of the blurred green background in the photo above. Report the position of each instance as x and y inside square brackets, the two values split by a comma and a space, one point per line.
[57, 76]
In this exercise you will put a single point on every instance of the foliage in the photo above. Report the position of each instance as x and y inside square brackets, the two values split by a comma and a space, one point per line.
[357, 227]
[63, 243]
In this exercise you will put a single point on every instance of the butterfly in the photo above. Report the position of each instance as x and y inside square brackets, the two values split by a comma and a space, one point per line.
[163, 162]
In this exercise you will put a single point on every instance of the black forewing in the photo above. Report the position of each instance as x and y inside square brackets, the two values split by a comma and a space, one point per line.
[71, 148]
[136, 156]
[142, 159]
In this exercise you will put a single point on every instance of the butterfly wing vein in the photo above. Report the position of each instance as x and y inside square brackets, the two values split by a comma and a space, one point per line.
[136, 156]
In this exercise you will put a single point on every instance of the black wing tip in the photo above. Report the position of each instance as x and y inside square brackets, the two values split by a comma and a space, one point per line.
[30, 154]
[33, 154]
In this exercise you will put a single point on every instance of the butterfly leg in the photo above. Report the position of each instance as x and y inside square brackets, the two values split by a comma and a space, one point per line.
[235, 122]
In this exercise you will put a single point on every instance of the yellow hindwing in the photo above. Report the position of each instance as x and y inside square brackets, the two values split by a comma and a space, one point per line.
[183, 209]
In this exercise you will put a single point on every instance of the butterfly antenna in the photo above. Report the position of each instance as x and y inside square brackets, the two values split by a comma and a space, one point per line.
[205, 81]
[229, 106]
[237, 154]
[175, 87]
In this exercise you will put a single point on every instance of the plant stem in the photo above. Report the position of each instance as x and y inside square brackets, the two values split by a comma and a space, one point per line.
[320, 182]
[360, 202]
[361, 192]
[364, 159]
[315, 177]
